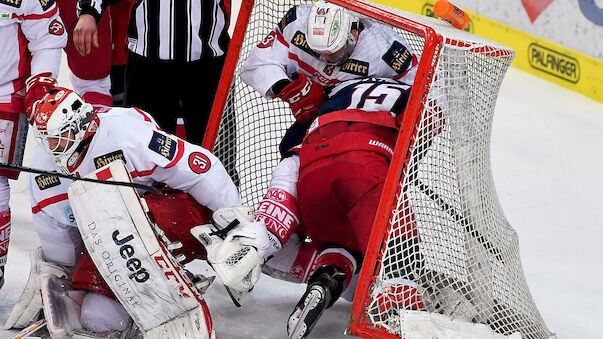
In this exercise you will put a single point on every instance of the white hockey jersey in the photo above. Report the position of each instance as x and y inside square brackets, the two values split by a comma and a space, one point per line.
[151, 156]
[380, 52]
[32, 36]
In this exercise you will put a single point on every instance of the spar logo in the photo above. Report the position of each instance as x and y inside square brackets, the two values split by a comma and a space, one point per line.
[554, 63]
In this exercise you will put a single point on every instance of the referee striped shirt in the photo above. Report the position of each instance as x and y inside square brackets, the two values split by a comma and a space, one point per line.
[178, 30]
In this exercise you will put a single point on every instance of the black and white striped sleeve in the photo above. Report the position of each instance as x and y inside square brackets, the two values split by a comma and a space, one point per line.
[93, 7]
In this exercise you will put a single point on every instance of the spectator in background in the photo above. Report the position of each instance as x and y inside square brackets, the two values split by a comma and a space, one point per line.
[32, 36]
[120, 16]
[90, 74]
[170, 46]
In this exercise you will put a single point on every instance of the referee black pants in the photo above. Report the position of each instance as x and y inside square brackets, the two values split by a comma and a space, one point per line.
[168, 89]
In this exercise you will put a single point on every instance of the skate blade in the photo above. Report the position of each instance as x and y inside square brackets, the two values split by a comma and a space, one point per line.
[301, 328]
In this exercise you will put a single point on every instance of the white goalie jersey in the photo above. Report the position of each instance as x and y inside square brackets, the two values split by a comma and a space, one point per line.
[150, 155]
[379, 52]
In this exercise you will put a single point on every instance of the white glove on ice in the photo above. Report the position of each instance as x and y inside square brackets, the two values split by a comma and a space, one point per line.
[235, 245]
[247, 230]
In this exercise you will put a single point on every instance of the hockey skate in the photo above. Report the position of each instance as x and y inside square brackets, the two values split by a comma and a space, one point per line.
[324, 288]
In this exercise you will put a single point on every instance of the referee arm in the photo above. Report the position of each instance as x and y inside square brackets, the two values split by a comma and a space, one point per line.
[85, 33]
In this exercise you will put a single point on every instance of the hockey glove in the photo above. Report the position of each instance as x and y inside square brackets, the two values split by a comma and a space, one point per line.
[304, 97]
[235, 246]
[36, 86]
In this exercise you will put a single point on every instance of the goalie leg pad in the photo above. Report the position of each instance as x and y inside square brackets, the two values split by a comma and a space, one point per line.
[62, 306]
[141, 272]
[29, 305]
[189, 325]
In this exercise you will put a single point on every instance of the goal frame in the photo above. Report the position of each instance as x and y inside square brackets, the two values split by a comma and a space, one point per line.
[358, 324]
[399, 165]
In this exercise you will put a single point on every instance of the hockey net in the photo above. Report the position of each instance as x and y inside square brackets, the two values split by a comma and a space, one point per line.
[439, 222]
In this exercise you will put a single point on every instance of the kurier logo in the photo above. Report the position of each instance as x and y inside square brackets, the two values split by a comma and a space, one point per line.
[554, 63]
[428, 11]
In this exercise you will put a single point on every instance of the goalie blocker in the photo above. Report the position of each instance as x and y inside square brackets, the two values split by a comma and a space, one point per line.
[142, 273]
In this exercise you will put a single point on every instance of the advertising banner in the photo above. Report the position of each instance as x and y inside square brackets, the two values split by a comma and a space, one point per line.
[558, 40]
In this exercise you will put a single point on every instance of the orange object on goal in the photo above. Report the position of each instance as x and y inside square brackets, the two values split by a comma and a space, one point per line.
[451, 14]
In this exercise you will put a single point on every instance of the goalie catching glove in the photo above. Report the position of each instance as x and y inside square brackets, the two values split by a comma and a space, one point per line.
[236, 246]
[303, 95]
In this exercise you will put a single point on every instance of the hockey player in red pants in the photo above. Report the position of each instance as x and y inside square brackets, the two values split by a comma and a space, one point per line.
[331, 184]
[91, 72]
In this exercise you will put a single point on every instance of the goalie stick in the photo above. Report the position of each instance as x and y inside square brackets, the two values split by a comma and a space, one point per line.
[31, 329]
[76, 178]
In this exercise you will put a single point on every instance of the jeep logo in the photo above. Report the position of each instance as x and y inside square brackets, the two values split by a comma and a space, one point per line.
[134, 264]
[554, 63]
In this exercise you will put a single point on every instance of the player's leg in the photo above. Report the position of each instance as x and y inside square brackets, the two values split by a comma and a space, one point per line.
[146, 89]
[60, 249]
[326, 223]
[401, 288]
[162, 299]
[350, 184]
[120, 17]
[5, 224]
[90, 74]
[334, 270]
[13, 133]
[176, 213]
[196, 102]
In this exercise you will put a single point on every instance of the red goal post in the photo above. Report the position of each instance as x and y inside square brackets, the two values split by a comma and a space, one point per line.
[439, 184]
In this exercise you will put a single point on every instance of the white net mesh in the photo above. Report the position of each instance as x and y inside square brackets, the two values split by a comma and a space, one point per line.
[446, 231]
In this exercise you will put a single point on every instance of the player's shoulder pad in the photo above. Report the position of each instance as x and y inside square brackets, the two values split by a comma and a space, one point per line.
[398, 57]
[163, 145]
[289, 17]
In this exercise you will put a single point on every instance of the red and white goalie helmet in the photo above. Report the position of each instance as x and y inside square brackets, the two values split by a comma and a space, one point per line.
[330, 31]
[61, 120]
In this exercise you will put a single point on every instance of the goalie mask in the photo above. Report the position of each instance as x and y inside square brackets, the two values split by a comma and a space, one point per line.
[330, 32]
[61, 122]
